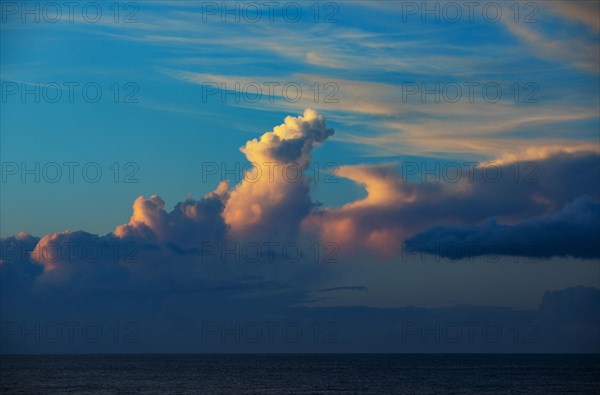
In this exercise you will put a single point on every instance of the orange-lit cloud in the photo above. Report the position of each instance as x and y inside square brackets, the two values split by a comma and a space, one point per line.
[274, 196]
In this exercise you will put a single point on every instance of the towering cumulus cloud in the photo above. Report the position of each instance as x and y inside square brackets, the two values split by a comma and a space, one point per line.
[274, 196]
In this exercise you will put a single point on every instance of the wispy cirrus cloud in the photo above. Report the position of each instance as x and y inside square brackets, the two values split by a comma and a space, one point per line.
[406, 122]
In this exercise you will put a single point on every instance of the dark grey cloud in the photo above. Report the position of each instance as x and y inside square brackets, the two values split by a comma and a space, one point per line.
[18, 269]
[573, 231]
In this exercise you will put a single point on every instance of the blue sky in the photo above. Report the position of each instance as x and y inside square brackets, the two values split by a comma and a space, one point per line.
[373, 52]
[387, 74]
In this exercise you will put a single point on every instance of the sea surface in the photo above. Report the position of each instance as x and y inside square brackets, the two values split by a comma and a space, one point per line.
[302, 373]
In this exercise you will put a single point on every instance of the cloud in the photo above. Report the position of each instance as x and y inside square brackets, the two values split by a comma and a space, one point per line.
[273, 203]
[579, 50]
[407, 123]
[190, 223]
[568, 316]
[584, 12]
[575, 304]
[18, 269]
[395, 208]
[274, 196]
[81, 259]
[573, 231]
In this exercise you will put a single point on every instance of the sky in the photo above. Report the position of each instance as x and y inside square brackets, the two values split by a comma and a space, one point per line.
[371, 176]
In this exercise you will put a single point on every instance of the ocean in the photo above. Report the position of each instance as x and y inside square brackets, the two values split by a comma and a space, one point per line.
[302, 373]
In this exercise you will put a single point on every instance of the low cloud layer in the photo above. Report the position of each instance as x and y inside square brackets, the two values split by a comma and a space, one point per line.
[573, 231]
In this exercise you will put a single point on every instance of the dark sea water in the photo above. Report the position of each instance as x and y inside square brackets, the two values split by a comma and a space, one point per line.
[302, 374]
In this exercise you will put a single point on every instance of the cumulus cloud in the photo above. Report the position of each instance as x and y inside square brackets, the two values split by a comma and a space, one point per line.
[168, 247]
[18, 269]
[188, 225]
[82, 259]
[274, 195]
